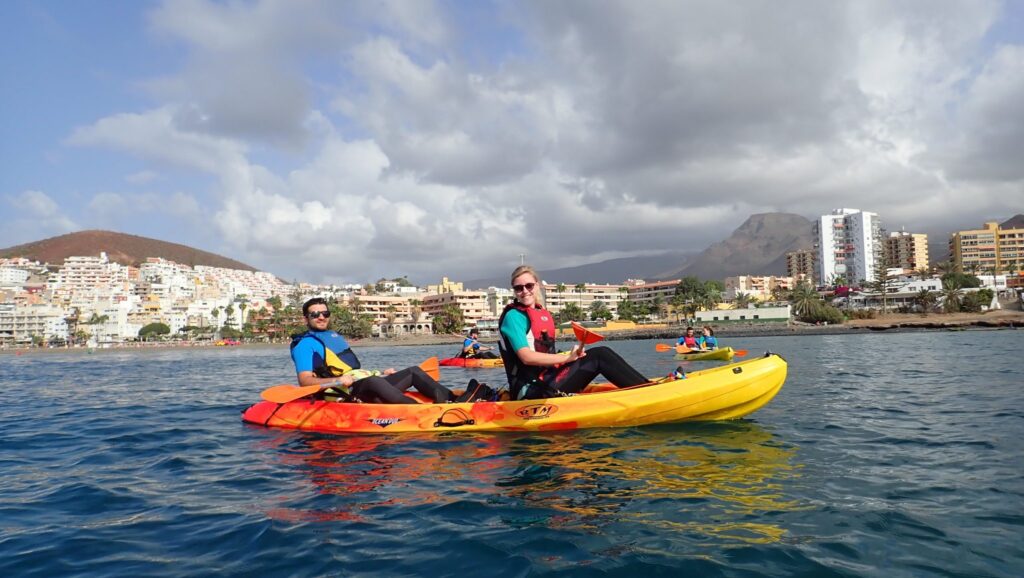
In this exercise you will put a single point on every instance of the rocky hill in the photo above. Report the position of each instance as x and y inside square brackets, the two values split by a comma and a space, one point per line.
[119, 247]
[1014, 222]
[757, 247]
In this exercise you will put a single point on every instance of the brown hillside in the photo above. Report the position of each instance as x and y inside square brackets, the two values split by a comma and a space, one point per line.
[757, 247]
[119, 247]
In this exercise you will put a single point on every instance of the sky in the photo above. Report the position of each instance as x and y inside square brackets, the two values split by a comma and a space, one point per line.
[340, 142]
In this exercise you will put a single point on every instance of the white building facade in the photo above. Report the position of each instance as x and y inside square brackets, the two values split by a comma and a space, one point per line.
[849, 246]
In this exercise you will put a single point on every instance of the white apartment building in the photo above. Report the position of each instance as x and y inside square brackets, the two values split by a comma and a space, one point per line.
[640, 291]
[473, 305]
[11, 278]
[757, 287]
[19, 324]
[95, 276]
[849, 245]
[584, 297]
[253, 284]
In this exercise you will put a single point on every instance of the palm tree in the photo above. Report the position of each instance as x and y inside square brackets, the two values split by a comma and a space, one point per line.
[242, 307]
[580, 288]
[951, 296]
[415, 311]
[926, 300]
[742, 300]
[944, 267]
[804, 299]
[923, 273]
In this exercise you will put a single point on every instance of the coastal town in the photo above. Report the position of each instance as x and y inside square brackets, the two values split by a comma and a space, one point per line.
[855, 271]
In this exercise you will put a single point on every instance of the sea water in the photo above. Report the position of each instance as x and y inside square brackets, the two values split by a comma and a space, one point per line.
[883, 455]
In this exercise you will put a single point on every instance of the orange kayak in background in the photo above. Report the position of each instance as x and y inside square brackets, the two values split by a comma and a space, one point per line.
[471, 362]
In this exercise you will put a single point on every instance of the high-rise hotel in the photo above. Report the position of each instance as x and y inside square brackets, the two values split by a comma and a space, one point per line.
[906, 250]
[849, 243]
[991, 248]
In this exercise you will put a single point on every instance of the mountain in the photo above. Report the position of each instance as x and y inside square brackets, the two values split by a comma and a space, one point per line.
[611, 271]
[1014, 222]
[757, 247]
[119, 247]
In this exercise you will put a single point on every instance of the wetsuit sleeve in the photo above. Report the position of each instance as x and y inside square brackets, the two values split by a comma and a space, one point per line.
[302, 355]
[514, 328]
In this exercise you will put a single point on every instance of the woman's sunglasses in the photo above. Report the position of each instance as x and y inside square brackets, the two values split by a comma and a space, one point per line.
[317, 314]
[524, 286]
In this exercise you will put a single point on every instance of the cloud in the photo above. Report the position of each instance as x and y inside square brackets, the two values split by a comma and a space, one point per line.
[33, 215]
[361, 140]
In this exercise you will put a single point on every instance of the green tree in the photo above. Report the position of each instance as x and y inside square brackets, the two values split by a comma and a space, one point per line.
[950, 295]
[742, 300]
[580, 288]
[925, 299]
[804, 300]
[449, 320]
[882, 283]
[229, 312]
[153, 330]
[627, 310]
[961, 280]
[598, 310]
[569, 312]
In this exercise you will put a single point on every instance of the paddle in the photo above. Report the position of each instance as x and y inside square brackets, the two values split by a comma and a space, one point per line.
[662, 347]
[584, 335]
[286, 392]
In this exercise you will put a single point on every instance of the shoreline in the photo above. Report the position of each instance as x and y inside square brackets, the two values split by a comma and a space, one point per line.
[893, 323]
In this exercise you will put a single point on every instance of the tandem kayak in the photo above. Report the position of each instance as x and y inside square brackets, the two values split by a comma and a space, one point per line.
[720, 393]
[471, 362]
[721, 354]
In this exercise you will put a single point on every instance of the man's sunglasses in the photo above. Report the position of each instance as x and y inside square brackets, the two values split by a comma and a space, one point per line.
[316, 314]
[526, 286]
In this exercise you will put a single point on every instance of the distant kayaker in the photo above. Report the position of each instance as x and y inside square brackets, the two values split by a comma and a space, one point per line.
[708, 340]
[472, 348]
[689, 339]
[527, 346]
[323, 357]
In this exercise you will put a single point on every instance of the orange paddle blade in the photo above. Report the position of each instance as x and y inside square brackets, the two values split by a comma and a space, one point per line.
[684, 349]
[739, 352]
[584, 335]
[432, 367]
[285, 393]
[663, 347]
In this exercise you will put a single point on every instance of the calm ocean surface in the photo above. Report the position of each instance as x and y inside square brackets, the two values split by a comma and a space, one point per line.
[883, 455]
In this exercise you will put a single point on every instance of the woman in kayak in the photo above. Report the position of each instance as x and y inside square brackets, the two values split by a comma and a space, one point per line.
[707, 339]
[527, 346]
[689, 339]
[322, 357]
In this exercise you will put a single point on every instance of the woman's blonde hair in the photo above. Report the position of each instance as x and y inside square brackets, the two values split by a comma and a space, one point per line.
[538, 291]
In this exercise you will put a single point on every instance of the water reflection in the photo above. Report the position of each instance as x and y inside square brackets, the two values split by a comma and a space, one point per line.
[721, 481]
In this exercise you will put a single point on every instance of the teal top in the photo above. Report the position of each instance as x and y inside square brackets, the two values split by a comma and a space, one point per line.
[516, 327]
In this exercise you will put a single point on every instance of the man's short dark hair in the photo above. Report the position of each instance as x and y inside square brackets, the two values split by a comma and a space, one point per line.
[474, 331]
[312, 302]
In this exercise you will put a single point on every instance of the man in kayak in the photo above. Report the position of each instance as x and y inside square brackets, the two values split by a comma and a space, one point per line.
[527, 346]
[689, 339]
[322, 357]
[472, 349]
[707, 340]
